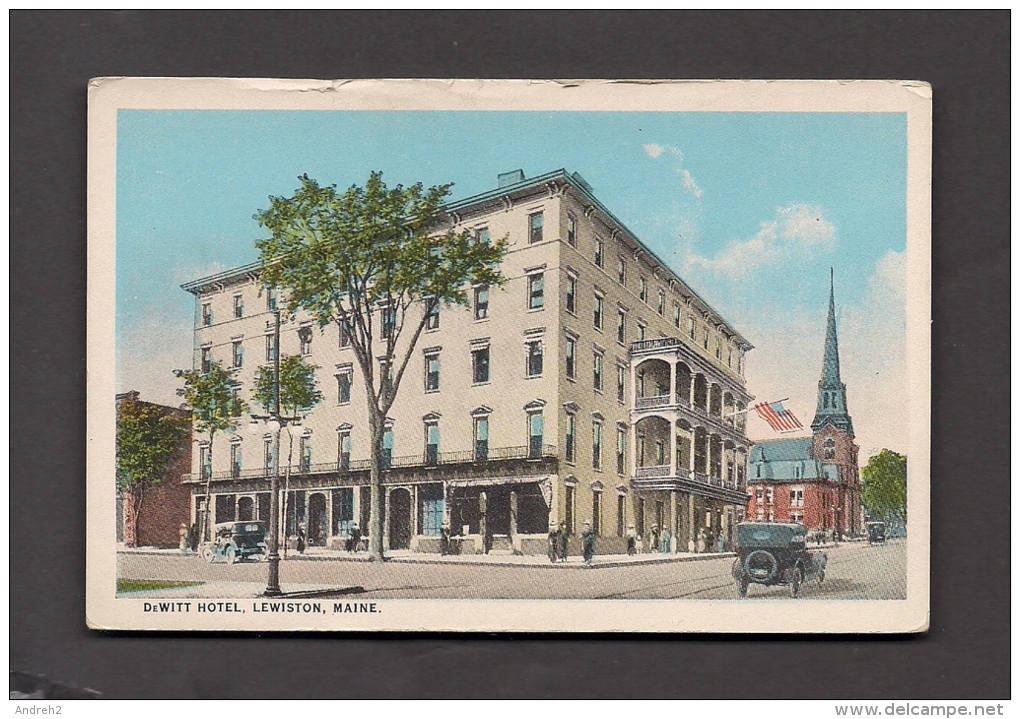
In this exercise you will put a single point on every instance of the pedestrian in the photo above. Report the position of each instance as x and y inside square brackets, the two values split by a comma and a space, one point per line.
[193, 537]
[444, 539]
[564, 539]
[554, 542]
[355, 537]
[666, 538]
[653, 538]
[631, 540]
[182, 534]
[588, 543]
[300, 541]
[701, 542]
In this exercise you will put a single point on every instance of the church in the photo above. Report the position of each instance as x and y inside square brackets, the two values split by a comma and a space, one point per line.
[814, 481]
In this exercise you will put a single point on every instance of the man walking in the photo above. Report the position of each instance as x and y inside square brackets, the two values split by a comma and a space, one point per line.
[588, 543]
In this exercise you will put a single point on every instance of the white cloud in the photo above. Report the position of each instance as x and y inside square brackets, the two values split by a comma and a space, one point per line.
[689, 184]
[653, 150]
[794, 234]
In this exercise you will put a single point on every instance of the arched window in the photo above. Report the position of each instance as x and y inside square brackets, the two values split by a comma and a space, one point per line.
[829, 447]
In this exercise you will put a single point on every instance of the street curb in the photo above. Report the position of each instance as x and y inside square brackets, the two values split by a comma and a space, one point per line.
[476, 563]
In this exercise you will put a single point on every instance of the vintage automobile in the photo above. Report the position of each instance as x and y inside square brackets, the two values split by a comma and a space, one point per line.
[236, 542]
[876, 532]
[771, 554]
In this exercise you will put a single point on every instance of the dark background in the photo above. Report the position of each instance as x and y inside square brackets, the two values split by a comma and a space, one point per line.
[965, 56]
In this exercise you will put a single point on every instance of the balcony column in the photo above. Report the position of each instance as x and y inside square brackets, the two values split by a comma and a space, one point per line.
[674, 519]
[692, 539]
[672, 446]
[633, 449]
[672, 382]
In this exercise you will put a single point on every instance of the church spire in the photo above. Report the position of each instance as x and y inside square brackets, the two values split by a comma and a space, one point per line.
[831, 390]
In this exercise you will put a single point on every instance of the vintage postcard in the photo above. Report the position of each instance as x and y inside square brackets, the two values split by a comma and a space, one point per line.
[584, 356]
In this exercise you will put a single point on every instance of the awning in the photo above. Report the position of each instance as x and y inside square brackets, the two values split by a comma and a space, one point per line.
[489, 481]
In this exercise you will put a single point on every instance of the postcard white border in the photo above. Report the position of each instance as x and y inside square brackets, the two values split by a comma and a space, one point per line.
[108, 95]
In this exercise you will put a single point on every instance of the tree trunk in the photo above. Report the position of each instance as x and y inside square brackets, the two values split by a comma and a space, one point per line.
[206, 534]
[137, 495]
[375, 517]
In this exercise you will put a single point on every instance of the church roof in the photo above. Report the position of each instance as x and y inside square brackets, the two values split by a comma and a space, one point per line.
[779, 450]
[788, 460]
[832, 407]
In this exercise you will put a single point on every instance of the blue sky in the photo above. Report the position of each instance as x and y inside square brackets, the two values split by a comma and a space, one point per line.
[751, 208]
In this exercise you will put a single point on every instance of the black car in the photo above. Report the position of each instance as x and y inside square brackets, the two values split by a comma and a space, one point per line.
[771, 554]
[876, 532]
[236, 542]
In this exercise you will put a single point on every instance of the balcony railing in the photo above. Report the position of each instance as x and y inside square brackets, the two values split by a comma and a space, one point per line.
[658, 401]
[658, 343]
[655, 470]
[428, 459]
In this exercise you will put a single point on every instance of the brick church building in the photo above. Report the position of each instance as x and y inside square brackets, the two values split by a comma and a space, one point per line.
[814, 481]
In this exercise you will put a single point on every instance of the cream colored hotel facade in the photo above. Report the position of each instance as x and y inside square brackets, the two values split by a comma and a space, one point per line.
[594, 386]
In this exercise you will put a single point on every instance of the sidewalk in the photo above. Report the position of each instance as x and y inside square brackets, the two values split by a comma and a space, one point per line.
[320, 554]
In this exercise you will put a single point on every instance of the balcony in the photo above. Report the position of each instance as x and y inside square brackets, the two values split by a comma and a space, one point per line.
[658, 477]
[534, 452]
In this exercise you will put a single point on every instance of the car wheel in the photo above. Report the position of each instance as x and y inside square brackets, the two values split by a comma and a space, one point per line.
[231, 555]
[742, 587]
[795, 581]
[257, 557]
[208, 554]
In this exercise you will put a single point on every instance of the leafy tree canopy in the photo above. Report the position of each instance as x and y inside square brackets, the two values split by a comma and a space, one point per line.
[210, 396]
[884, 485]
[149, 440]
[298, 388]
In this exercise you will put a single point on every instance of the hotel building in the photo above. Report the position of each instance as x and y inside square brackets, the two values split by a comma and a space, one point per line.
[594, 385]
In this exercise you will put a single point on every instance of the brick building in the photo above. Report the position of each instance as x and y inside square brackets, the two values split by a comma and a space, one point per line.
[595, 385]
[165, 505]
[815, 480]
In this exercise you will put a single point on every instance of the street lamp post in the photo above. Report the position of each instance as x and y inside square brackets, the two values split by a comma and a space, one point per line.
[275, 421]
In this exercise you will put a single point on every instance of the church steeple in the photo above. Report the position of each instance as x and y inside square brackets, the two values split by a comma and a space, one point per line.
[831, 390]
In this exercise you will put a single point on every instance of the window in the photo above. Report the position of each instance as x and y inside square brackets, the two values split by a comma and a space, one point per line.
[305, 454]
[235, 459]
[758, 492]
[729, 358]
[797, 517]
[344, 449]
[621, 326]
[641, 328]
[600, 249]
[571, 302]
[536, 433]
[769, 495]
[344, 380]
[387, 449]
[571, 503]
[206, 359]
[596, 512]
[597, 315]
[345, 333]
[571, 230]
[431, 443]
[271, 344]
[206, 314]
[691, 327]
[269, 455]
[571, 358]
[796, 497]
[431, 371]
[621, 270]
[718, 350]
[305, 337]
[480, 365]
[660, 453]
[570, 446]
[481, 438]
[385, 369]
[534, 351]
[271, 299]
[661, 307]
[621, 509]
[238, 306]
[597, 371]
[596, 445]
[676, 315]
[482, 302]
[204, 461]
[621, 450]
[536, 291]
[829, 448]
[483, 236]
[389, 322]
[432, 315]
[704, 339]
[621, 383]
[535, 224]
[237, 353]
[643, 290]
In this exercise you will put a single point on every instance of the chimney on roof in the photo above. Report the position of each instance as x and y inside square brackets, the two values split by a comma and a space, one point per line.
[510, 178]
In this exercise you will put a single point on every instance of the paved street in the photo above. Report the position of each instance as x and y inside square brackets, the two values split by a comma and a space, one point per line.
[855, 571]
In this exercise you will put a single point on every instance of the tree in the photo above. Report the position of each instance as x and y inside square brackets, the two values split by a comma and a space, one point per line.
[884, 486]
[215, 408]
[150, 439]
[298, 394]
[348, 258]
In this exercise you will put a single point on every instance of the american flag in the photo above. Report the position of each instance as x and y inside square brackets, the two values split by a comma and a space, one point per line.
[778, 417]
